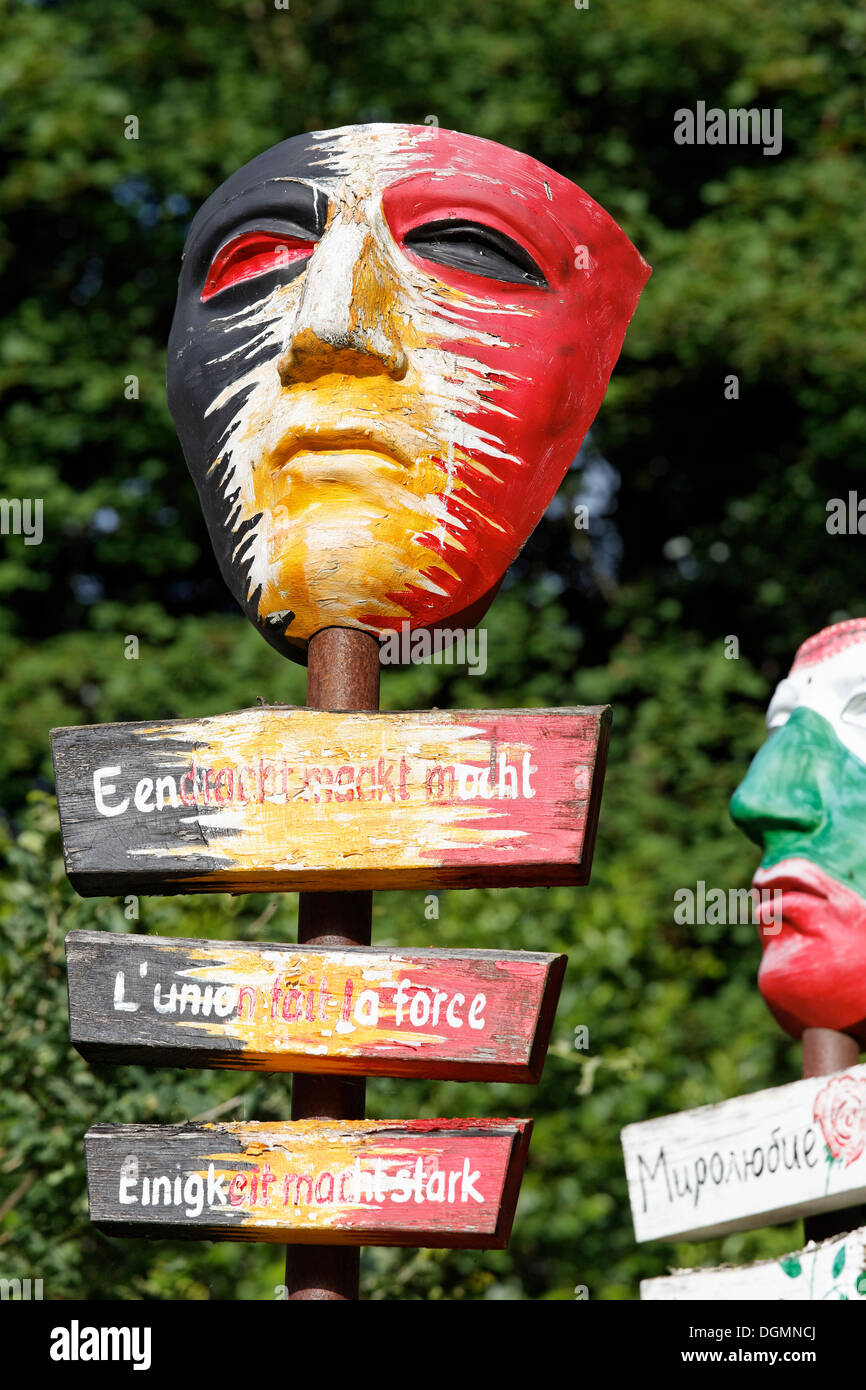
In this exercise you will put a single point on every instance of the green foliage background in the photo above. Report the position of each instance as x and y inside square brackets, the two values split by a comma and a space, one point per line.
[759, 265]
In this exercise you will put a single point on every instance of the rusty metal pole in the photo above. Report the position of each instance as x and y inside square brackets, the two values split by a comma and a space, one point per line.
[826, 1051]
[342, 674]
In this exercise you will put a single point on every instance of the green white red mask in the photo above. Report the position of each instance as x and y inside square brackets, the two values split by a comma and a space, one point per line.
[803, 801]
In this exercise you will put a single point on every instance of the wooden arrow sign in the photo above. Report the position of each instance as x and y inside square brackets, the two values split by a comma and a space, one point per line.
[834, 1271]
[471, 1015]
[282, 798]
[767, 1157]
[362, 1182]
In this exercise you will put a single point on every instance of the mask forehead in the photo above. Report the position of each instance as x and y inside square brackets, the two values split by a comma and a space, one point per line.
[828, 671]
[368, 159]
[827, 668]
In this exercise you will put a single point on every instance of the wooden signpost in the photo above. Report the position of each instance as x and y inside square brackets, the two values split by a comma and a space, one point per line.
[762, 1158]
[280, 798]
[377, 400]
[342, 801]
[834, 1270]
[468, 1015]
[367, 1182]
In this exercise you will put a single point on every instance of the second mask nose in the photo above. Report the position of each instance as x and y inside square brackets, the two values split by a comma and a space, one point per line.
[781, 793]
[347, 320]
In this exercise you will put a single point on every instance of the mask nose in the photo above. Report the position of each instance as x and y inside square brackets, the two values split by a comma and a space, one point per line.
[347, 319]
[781, 790]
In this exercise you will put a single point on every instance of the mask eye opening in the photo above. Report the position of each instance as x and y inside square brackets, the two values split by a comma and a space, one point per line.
[477, 250]
[250, 255]
[854, 711]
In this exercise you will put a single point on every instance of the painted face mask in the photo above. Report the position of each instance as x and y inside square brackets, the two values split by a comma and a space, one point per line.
[388, 345]
[803, 801]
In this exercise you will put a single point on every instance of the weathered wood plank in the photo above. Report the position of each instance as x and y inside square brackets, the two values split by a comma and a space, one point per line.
[282, 798]
[759, 1159]
[834, 1270]
[449, 1183]
[373, 1011]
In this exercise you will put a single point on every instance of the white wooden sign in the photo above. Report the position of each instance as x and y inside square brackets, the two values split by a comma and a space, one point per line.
[763, 1158]
[833, 1271]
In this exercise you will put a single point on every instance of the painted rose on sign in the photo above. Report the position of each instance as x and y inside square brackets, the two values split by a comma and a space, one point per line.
[804, 802]
[388, 345]
[840, 1110]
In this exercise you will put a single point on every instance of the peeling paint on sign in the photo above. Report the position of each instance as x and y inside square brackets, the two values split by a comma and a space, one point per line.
[374, 1011]
[305, 799]
[361, 1182]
